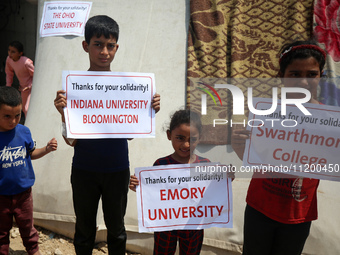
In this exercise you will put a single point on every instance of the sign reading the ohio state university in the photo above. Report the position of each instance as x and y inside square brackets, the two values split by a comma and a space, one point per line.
[64, 18]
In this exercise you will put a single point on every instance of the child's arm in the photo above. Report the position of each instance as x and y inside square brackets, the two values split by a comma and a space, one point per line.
[231, 174]
[51, 146]
[60, 102]
[133, 183]
[238, 140]
[156, 102]
[30, 68]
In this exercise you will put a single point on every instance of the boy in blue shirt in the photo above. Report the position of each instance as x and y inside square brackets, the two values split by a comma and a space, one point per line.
[100, 167]
[16, 172]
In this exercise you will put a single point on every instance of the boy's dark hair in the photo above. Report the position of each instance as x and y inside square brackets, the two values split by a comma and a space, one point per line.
[185, 117]
[288, 55]
[18, 45]
[9, 96]
[101, 25]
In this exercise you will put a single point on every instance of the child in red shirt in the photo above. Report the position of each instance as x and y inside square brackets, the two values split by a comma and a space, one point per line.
[280, 208]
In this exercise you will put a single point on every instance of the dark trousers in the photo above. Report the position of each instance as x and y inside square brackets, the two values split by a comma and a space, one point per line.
[264, 236]
[190, 242]
[88, 187]
[20, 207]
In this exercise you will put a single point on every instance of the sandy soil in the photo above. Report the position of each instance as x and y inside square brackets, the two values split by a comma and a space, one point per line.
[50, 244]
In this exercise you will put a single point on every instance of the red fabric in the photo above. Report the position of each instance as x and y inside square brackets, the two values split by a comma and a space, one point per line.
[326, 29]
[284, 198]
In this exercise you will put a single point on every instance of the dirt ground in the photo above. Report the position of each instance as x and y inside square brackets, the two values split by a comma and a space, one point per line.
[50, 244]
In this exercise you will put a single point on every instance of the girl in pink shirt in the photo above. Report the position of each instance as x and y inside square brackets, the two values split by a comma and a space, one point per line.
[23, 68]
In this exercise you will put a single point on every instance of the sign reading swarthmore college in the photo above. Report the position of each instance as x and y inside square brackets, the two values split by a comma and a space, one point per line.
[108, 104]
[178, 196]
[295, 143]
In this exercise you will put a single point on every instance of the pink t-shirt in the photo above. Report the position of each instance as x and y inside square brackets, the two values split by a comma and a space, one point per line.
[23, 69]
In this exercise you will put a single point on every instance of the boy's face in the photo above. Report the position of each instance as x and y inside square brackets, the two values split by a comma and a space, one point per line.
[9, 117]
[101, 52]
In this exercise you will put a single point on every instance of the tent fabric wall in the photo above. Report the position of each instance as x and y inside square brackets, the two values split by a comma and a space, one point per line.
[240, 39]
[153, 39]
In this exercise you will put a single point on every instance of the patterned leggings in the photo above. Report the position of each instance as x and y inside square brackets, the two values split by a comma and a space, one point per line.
[190, 242]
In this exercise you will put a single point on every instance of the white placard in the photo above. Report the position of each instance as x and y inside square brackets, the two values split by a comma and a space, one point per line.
[64, 18]
[298, 144]
[173, 197]
[109, 105]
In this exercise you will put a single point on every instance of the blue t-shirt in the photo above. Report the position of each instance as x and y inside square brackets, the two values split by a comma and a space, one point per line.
[101, 155]
[16, 171]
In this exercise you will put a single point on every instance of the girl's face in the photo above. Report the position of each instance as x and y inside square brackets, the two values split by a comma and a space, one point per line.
[184, 139]
[302, 73]
[14, 54]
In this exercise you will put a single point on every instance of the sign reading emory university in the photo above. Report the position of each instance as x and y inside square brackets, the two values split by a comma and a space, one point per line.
[64, 18]
[108, 104]
[183, 196]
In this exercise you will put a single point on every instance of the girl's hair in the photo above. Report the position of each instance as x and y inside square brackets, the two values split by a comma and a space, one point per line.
[185, 117]
[18, 45]
[301, 50]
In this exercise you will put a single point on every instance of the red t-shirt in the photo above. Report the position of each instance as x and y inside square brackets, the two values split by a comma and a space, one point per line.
[287, 199]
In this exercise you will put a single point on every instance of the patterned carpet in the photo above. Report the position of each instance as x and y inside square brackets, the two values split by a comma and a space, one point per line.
[238, 39]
